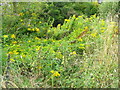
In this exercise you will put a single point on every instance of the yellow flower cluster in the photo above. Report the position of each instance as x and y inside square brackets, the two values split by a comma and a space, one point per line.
[23, 55]
[12, 60]
[73, 53]
[5, 36]
[13, 52]
[102, 22]
[93, 34]
[13, 36]
[67, 20]
[58, 25]
[86, 28]
[29, 40]
[102, 31]
[80, 39]
[40, 22]
[48, 31]
[33, 29]
[80, 16]
[37, 48]
[82, 46]
[55, 73]
[37, 29]
[10, 52]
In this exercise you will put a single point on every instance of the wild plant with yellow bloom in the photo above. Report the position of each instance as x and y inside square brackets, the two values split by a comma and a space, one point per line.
[73, 53]
[37, 29]
[55, 73]
[12, 60]
[13, 36]
[5, 36]
[93, 34]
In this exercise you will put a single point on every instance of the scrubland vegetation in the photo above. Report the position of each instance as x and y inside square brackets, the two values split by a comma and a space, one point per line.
[60, 45]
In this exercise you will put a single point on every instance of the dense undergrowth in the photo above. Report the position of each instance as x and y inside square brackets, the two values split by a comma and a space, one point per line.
[81, 53]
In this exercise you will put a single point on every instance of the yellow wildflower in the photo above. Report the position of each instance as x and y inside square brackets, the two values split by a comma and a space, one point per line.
[67, 20]
[29, 41]
[11, 59]
[74, 52]
[6, 45]
[40, 22]
[38, 48]
[82, 47]
[33, 29]
[37, 29]
[87, 19]
[29, 29]
[52, 71]
[58, 25]
[112, 22]
[93, 34]
[102, 22]
[48, 31]
[12, 36]
[79, 16]
[14, 42]
[53, 40]
[23, 55]
[5, 36]
[86, 28]
[10, 52]
[56, 73]
[74, 16]
[102, 30]
[80, 40]
[45, 40]
[94, 16]
[15, 52]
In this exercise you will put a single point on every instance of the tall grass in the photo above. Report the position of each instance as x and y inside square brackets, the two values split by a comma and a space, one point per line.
[81, 53]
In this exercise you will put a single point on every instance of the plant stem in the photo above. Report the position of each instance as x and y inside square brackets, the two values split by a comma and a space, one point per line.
[52, 81]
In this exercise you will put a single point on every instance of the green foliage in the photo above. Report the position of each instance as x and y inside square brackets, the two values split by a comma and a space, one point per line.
[79, 53]
[107, 9]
